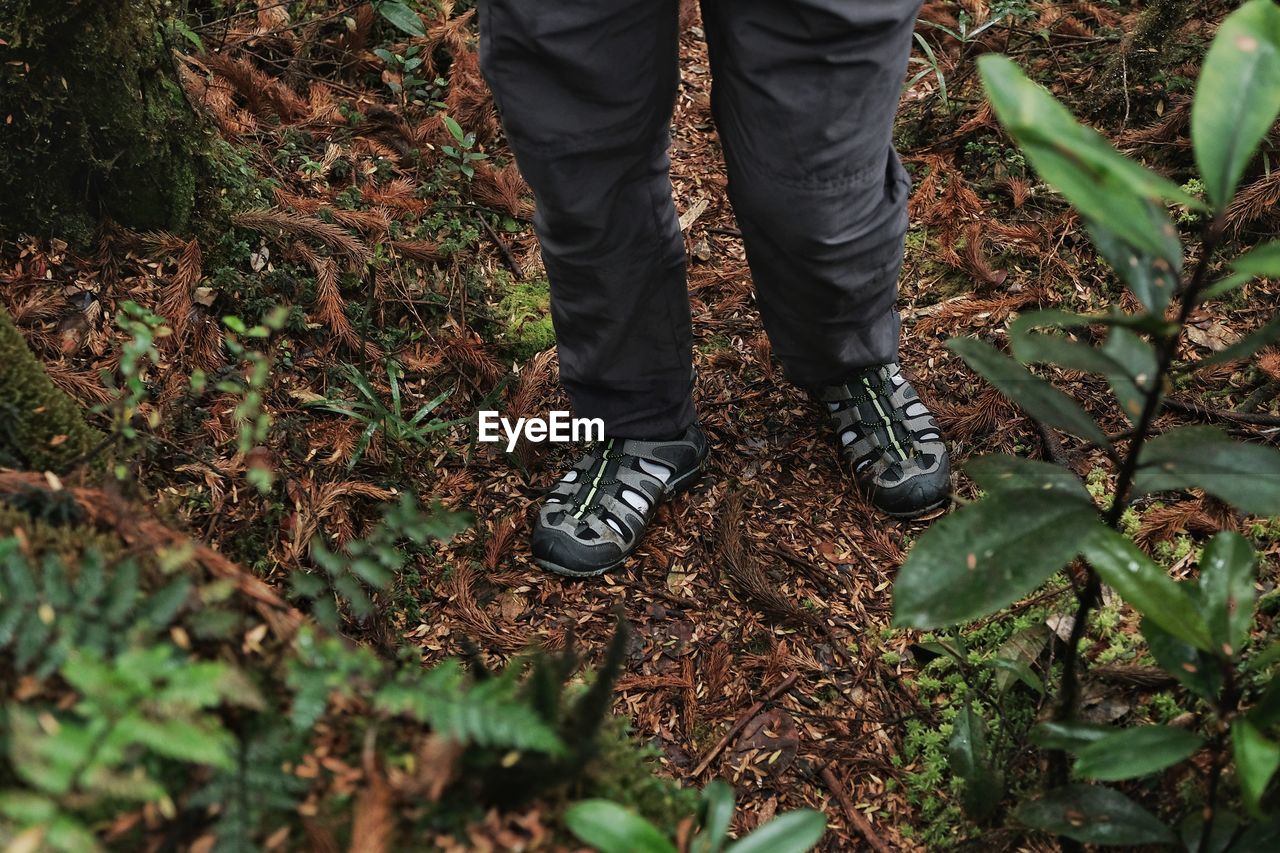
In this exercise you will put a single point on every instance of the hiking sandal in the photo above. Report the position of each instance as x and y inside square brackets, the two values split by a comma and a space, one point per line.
[892, 441]
[595, 515]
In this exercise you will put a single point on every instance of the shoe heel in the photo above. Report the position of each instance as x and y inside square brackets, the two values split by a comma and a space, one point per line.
[687, 481]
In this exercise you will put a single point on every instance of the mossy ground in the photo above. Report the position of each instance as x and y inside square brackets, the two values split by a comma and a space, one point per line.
[525, 312]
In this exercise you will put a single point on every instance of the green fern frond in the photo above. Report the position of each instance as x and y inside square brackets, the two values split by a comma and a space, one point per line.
[489, 714]
[48, 609]
[256, 787]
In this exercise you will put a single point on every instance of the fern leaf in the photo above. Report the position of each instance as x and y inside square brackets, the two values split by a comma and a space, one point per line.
[160, 609]
[122, 595]
[53, 578]
[91, 583]
[489, 714]
[198, 739]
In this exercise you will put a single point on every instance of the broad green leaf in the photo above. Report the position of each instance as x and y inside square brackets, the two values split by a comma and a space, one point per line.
[1135, 752]
[1199, 671]
[1002, 473]
[27, 807]
[1266, 334]
[1263, 837]
[1094, 815]
[1107, 189]
[717, 804]
[1072, 736]
[1061, 351]
[967, 751]
[970, 759]
[1152, 279]
[1054, 318]
[1037, 397]
[1262, 260]
[1223, 286]
[455, 129]
[1237, 96]
[1246, 476]
[1146, 586]
[1226, 826]
[1257, 759]
[1009, 670]
[68, 833]
[402, 17]
[952, 647]
[1136, 378]
[973, 562]
[1226, 590]
[610, 828]
[793, 832]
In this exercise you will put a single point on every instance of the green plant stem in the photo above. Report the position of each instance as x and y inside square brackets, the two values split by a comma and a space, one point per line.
[1228, 700]
[1086, 599]
[1164, 360]
[1089, 596]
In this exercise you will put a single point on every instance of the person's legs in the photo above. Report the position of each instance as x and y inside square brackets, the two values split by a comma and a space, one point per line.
[804, 97]
[585, 89]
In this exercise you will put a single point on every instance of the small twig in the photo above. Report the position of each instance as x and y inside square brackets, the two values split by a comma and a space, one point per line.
[1191, 408]
[1124, 84]
[1053, 446]
[298, 24]
[750, 395]
[785, 685]
[247, 13]
[859, 821]
[680, 601]
[725, 232]
[1264, 393]
[508, 258]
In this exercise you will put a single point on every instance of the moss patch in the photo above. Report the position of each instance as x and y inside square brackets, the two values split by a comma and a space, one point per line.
[93, 122]
[525, 311]
[68, 542]
[41, 428]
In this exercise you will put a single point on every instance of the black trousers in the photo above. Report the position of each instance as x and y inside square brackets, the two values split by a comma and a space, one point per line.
[804, 96]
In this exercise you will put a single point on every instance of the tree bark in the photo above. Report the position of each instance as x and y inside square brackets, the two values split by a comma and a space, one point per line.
[1141, 52]
[41, 428]
[93, 123]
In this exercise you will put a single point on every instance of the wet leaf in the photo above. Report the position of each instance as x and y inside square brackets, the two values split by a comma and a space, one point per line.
[1257, 759]
[1127, 753]
[971, 562]
[1237, 96]
[1037, 397]
[1246, 476]
[1146, 586]
[1094, 815]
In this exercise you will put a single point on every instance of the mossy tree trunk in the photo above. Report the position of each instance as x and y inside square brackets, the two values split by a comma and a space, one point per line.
[41, 428]
[1144, 52]
[93, 122]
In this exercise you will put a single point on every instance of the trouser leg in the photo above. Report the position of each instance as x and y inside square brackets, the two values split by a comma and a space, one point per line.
[804, 97]
[585, 89]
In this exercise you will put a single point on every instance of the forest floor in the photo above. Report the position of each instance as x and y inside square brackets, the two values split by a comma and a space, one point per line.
[764, 595]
